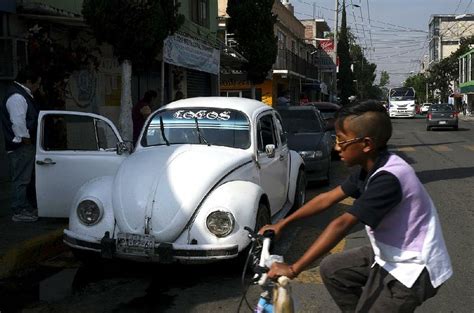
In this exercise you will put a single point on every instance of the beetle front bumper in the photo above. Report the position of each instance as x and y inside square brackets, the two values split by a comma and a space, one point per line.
[162, 252]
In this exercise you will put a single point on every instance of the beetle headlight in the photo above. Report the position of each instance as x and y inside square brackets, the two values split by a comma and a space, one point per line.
[311, 154]
[220, 223]
[89, 212]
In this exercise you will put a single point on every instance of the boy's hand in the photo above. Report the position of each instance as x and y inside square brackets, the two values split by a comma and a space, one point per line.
[275, 227]
[281, 269]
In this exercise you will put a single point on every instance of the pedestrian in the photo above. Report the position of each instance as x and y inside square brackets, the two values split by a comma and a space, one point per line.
[464, 108]
[407, 260]
[284, 99]
[140, 112]
[19, 122]
[303, 99]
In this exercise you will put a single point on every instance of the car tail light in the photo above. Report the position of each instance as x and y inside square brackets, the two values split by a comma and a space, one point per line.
[429, 116]
[455, 115]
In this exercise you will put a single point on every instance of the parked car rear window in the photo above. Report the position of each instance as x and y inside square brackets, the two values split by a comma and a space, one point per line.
[300, 121]
[441, 108]
[220, 127]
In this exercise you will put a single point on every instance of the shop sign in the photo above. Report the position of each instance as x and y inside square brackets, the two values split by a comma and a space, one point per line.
[189, 53]
[327, 45]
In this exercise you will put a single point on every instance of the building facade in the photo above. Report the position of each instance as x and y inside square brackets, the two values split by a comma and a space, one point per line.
[445, 33]
[296, 66]
[190, 61]
[466, 79]
[315, 30]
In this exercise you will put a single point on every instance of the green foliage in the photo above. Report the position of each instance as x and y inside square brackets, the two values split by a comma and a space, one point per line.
[364, 74]
[384, 79]
[135, 28]
[345, 78]
[418, 82]
[252, 23]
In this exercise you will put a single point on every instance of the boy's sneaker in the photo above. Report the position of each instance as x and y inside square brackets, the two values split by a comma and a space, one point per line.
[25, 216]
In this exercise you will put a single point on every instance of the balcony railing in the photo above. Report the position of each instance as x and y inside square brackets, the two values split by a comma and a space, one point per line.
[287, 60]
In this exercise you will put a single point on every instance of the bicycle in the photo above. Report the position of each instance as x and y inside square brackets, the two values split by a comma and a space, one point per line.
[276, 295]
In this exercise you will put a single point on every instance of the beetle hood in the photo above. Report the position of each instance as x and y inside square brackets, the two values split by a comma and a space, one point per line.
[165, 185]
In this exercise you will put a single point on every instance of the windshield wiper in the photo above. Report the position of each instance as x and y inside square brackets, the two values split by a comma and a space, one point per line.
[201, 137]
[163, 131]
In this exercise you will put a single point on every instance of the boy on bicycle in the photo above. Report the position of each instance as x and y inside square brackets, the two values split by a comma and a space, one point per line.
[407, 260]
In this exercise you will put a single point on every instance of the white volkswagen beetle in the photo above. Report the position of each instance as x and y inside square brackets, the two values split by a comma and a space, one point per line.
[202, 170]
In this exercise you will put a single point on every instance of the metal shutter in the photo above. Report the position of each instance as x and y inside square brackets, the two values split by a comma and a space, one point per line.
[198, 84]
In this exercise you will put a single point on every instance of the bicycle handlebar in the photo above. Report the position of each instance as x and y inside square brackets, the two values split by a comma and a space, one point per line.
[265, 258]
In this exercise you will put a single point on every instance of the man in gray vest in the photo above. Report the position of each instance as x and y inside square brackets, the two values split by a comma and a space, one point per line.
[19, 121]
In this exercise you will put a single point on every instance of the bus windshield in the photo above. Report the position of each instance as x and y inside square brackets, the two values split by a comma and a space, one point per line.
[402, 93]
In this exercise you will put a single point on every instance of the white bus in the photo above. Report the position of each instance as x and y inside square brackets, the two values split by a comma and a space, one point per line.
[401, 102]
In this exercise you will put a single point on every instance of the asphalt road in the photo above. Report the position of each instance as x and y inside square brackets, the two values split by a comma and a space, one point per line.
[444, 161]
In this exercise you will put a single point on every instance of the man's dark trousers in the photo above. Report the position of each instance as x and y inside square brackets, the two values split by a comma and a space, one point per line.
[21, 166]
[357, 285]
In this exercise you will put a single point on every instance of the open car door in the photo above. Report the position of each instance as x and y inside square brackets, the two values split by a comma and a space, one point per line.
[71, 149]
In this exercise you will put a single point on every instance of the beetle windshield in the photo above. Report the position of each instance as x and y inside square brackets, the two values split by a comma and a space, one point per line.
[220, 127]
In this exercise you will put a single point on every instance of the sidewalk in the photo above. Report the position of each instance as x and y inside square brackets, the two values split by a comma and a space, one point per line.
[24, 245]
[466, 117]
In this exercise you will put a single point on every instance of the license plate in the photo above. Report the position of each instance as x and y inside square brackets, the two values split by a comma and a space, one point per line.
[135, 244]
[442, 122]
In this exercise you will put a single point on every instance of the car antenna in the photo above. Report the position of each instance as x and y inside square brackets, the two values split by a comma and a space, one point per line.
[201, 137]
[163, 131]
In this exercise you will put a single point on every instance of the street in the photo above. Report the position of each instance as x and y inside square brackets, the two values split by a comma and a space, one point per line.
[443, 162]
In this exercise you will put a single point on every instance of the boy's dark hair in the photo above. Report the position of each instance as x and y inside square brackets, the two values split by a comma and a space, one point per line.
[27, 74]
[149, 95]
[367, 119]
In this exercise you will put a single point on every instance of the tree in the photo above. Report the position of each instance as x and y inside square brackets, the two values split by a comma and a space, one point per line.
[252, 23]
[364, 73]
[418, 82]
[384, 79]
[136, 30]
[345, 77]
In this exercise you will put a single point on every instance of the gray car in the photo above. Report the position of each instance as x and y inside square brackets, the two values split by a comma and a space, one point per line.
[442, 116]
[307, 134]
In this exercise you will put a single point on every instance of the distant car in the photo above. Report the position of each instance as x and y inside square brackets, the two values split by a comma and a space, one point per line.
[441, 115]
[424, 108]
[307, 134]
[328, 111]
[202, 170]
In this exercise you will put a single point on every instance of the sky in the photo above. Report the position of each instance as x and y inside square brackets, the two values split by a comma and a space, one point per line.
[393, 33]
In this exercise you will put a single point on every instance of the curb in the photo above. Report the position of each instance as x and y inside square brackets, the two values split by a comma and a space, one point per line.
[28, 254]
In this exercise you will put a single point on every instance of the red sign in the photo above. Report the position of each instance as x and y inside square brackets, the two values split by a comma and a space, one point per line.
[327, 45]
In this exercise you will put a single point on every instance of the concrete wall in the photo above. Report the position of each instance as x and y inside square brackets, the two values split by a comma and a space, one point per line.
[293, 26]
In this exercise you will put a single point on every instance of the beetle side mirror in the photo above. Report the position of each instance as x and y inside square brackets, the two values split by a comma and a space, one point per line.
[124, 147]
[270, 150]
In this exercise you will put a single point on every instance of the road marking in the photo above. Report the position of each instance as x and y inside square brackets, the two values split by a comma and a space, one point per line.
[441, 148]
[470, 147]
[312, 276]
